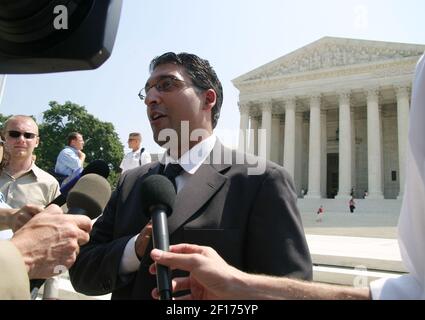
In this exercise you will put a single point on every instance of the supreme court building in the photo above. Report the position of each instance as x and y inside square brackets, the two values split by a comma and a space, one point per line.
[335, 115]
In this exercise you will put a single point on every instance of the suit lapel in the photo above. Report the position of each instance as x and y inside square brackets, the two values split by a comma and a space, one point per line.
[156, 169]
[197, 191]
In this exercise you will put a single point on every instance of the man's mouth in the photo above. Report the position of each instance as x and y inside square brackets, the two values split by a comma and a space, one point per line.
[156, 116]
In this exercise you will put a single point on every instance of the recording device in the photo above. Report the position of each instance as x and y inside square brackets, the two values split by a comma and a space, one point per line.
[157, 196]
[97, 166]
[88, 197]
[40, 36]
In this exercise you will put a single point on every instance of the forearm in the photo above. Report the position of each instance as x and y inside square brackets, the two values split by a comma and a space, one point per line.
[278, 288]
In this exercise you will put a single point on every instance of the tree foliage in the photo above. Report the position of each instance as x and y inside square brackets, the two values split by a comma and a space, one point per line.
[101, 140]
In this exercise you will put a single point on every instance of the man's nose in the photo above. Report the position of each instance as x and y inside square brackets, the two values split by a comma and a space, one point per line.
[153, 96]
[21, 138]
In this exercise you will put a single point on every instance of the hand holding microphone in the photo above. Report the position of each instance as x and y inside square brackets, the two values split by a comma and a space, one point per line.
[86, 200]
[158, 195]
[50, 239]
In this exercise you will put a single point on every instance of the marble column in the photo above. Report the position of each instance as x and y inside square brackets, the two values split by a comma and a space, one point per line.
[314, 163]
[323, 153]
[374, 146]
[402, 124]
[345, 144]
[243, 128]
[354, 154]
[289, 150]
[299, 154]
[253, 136]
[276, 138]
[266, 127]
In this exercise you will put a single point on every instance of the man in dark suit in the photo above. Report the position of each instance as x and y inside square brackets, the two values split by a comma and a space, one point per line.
[250, 218]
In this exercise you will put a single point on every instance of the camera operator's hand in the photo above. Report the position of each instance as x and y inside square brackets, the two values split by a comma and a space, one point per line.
[23, 215]
[51, 239]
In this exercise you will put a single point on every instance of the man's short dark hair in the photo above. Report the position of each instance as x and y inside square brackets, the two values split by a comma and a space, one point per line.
[73, 136]
[200, 72]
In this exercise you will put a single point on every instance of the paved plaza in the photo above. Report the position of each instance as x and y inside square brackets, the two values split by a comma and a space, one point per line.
[369, 225]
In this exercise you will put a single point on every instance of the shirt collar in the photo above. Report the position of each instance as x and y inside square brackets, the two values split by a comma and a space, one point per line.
[73, 149]
[191, 160]
[33, 169]
[36, 170]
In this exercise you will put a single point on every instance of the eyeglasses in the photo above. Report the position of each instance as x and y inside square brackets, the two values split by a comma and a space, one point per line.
[17, 134]
[164, 84]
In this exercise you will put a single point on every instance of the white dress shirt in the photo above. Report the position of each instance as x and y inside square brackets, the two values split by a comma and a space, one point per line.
[135, 159]
[411, 224]
[190, 162]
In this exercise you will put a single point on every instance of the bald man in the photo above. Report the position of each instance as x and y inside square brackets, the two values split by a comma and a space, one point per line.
[21, 181]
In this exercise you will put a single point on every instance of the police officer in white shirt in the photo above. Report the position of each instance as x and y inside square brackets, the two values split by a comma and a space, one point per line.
[138, 156]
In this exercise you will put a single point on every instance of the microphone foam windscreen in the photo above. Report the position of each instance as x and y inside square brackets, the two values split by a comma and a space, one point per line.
[99, 167]
[90, 194]
[157, 190]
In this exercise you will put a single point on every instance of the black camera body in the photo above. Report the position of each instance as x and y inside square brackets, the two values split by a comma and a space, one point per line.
[41, 36]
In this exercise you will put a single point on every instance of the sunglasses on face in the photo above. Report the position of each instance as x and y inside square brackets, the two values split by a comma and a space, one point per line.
[17, 134]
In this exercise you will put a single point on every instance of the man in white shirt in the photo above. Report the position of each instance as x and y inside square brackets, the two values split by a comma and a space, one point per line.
[138, 156]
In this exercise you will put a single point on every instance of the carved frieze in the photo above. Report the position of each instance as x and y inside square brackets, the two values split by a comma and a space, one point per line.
[328, 55]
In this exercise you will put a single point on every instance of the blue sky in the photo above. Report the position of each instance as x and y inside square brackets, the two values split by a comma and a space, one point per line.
[236, 36]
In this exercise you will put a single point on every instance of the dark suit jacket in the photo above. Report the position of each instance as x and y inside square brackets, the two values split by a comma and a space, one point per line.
[251, 220]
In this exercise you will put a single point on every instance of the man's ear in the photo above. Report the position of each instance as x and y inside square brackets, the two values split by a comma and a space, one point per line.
[210, 99]
[37, 142]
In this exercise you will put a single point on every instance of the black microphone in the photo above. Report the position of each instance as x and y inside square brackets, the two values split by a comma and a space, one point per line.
[157, 196]
[97, 166]
[89, 197]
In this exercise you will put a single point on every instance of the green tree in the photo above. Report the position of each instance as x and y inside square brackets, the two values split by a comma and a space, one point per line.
[3, 119]
[102, 141]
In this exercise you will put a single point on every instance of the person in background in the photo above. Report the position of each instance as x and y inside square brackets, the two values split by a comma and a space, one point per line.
[320, 212]
[138, 156]
[21, 181]
[71, 159]
[38, 244]
[352, 205]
